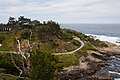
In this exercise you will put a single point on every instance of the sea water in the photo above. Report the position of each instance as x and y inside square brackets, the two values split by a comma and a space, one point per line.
[104, 32]
[114, 68]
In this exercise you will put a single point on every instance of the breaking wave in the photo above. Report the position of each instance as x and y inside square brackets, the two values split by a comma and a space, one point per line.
[114, 40]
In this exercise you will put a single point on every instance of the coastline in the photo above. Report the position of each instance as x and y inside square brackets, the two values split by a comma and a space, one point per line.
[109, 39]
[88, 65]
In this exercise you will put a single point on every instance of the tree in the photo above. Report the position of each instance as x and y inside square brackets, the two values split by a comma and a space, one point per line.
[43, 65]
[44, 22]
[11, 21]
[35, 23]
[55, 26]
[21, 19]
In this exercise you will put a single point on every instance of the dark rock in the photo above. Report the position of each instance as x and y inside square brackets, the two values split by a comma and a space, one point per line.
[102, 76]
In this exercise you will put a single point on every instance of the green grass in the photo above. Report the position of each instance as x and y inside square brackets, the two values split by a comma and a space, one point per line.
[2, 70]
[7, 77]
[7, 65]
[68, 60]
[75, 42]
[50, 45]
[9, 42]
[83, 51]
[72, 59]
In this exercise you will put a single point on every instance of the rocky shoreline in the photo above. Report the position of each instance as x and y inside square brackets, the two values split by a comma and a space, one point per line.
[90, 64]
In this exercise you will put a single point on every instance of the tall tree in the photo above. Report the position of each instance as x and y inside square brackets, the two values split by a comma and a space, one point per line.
[11, 21]
[53, 25]
[21, 20]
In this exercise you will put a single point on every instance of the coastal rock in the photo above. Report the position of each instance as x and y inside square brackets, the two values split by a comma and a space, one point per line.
[102, 76]
[91, 63]
[111, 50]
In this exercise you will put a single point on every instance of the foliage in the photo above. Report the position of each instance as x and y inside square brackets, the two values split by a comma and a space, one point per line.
[53, 25]
[11, 21]
[2, 38]
[35, 23]
[63, 34]
[7, 77]
[83, 37]
[75, 42]
[6, 63]
[99, 43]
[73, 32]
[25, 34]
[49, 37]
[68, 60]
[83, 51]
[44, 65]
[8, 43]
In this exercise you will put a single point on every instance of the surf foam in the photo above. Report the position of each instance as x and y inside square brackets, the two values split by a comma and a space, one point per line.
[106, 38]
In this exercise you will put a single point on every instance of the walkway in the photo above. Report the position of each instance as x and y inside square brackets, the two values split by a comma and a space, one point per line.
[71, 52]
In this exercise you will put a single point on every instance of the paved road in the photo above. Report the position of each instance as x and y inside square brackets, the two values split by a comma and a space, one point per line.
[71, 52]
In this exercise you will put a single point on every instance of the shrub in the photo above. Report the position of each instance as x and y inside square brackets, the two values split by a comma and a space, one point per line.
[43, 65]
[25, 34]
[2, 38]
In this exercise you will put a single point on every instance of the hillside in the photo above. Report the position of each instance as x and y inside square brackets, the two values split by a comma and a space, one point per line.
[39, 41]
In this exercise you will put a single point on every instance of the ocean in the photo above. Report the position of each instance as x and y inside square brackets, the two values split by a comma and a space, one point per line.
[104, 32]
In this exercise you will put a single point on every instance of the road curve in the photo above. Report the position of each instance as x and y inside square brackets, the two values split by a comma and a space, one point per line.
[71, 52]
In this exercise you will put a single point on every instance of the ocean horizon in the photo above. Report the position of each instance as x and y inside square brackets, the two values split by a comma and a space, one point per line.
[104, 32]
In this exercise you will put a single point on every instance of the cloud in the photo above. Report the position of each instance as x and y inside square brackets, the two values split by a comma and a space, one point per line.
[62, 10]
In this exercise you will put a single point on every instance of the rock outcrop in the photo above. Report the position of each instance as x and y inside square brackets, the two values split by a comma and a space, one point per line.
[90, 64]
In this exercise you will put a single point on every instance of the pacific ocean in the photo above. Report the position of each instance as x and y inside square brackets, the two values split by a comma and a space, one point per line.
[104, 32]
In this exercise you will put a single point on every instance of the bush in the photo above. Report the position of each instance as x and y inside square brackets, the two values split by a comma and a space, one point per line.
[25, 34]
[76, 42]
[6, 63]
[2, 38]
[68, 60]
[44, 64]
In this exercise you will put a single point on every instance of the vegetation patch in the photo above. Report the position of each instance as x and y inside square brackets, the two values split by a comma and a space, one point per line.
[68, 60]
[83, 51]
[7, 77]
[44, 39]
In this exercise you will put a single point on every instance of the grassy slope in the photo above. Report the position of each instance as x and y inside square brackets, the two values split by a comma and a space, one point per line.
[7, 77]
[90, 44]
[9, 43]
[56, 44]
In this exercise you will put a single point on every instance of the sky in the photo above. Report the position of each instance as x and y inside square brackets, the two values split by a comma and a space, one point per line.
[62, 11]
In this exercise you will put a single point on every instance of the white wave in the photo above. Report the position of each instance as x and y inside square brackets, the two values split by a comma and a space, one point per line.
[106, 38]
[113, 57]
[118, 59]
[112, 72]
[116, 78]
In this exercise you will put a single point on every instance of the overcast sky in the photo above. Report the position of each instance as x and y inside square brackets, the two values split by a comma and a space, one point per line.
[63, 11]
